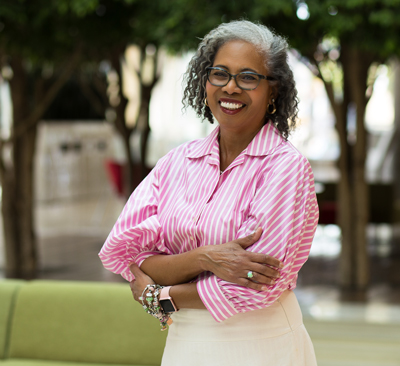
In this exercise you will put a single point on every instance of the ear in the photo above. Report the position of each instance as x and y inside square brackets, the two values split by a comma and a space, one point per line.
[273, 93]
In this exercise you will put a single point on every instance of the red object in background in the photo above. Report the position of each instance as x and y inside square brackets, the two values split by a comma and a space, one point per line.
[327, 213]
[115, 174]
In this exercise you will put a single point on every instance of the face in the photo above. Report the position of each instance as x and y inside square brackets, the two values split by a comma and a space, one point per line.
[234, 108]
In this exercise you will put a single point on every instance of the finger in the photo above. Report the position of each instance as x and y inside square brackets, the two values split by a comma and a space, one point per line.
[265, 270]
[266, 259]
[131, 285]
[135, 270]
[272, 261]
[255, 286]
[261, 279]
[250, 239]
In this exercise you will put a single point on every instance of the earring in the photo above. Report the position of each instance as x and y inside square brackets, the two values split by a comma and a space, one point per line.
[273, 106]
[205, 102]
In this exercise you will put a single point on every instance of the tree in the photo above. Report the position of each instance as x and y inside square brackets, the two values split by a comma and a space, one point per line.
[175, 25]
[39, 46]
[44, 43]
[342, 42]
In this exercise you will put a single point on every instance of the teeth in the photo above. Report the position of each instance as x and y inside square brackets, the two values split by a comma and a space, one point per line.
[231, 106]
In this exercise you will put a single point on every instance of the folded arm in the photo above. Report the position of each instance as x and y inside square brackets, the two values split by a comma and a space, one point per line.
[285, 206]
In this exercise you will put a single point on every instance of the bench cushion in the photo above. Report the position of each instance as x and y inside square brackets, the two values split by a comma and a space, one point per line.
[8, 292]
[83, 322]
[21, 362]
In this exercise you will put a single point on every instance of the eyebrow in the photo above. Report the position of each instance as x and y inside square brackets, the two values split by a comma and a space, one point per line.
[241, 70]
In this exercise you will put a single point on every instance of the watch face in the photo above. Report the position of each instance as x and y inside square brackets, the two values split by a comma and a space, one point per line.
[167, 306]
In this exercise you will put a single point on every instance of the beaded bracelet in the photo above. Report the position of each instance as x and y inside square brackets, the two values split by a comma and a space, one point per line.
[153, 306]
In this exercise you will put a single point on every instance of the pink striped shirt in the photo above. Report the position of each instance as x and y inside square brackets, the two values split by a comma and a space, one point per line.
[185, 203]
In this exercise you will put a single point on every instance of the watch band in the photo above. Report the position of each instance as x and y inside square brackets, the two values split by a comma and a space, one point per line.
[166, 301]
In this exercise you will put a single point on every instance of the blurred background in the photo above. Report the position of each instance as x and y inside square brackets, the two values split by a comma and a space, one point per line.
[90, 99]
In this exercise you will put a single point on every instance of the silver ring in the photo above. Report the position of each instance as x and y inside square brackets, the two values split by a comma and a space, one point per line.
[250, 274]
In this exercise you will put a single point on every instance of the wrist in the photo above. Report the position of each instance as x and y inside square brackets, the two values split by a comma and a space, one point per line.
[166, 301]
[203, 258]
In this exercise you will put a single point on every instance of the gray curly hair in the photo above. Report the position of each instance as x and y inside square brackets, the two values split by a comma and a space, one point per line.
[274, 50]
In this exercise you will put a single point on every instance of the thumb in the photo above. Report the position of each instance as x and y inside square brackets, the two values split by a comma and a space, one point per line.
[135, 269]
[250, 239]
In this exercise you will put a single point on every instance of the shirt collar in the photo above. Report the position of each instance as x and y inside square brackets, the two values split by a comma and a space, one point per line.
[204, 146]
[266, 140]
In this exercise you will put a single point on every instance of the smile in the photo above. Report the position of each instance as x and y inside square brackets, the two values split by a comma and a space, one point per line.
[231, 106]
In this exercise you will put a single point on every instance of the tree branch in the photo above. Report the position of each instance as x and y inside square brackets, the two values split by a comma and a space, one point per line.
[94, 100]
[41, 108]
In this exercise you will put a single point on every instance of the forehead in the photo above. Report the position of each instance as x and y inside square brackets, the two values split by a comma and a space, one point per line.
[239, 55]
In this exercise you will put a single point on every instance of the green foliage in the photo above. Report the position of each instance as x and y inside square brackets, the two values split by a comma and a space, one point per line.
[47, 30]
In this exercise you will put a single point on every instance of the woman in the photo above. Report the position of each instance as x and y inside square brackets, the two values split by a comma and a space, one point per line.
[226, 222]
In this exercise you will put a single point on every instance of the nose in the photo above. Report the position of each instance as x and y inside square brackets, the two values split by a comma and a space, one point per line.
[231, 87]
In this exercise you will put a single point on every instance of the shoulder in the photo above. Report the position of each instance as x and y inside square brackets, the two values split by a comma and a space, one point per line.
[286, 153]
[194, 148]
[285, 162]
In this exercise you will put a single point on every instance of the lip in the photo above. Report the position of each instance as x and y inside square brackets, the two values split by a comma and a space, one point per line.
[229, 111]
[229, 100]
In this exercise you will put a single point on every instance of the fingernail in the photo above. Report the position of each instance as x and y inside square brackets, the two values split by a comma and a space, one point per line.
[264, 288]
[281, 265]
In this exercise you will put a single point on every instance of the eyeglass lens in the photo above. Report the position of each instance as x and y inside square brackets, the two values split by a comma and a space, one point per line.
[243, 80]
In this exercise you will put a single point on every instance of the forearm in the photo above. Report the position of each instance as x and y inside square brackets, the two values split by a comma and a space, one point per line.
[185, 296]
[169, 270]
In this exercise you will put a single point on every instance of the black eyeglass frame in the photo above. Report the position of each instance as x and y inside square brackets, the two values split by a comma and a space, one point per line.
[231, 76]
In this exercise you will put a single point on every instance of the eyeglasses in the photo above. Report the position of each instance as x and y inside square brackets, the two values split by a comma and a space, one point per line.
[245, 80]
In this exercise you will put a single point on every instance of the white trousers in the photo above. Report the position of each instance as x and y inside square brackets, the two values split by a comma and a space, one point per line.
[274, 336]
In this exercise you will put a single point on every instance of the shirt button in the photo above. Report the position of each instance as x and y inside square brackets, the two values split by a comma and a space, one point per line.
[191, 238]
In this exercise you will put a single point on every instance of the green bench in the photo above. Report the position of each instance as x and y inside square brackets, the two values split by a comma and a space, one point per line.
[58, 323]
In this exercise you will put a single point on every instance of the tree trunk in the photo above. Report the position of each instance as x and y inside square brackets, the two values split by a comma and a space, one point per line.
[344, 197]
[120, 123]
[345, 201]
[17, 210]
[144, 126]
[17, 163]
[353, 189]
[396, 162]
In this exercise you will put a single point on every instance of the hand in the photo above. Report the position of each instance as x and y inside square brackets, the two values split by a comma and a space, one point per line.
[139, 283]
[231, 262]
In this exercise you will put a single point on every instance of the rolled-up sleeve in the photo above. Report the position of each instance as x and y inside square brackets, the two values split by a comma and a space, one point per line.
[285, 206]
[137, 234]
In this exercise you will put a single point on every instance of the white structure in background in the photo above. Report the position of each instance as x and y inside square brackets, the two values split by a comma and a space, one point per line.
[380, 124]
[5, 109]
[170, 126]
[70, 160]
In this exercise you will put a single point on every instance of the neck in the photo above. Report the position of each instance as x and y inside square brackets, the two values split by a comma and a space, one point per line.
[232, 143]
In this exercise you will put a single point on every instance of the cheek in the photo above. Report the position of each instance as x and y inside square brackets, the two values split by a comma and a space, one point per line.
[211, 89]
[262, 100]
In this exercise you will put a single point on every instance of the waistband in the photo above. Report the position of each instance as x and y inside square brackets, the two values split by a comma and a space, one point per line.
[283, 316]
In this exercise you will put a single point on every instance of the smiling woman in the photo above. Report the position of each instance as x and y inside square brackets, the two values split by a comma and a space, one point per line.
[214, 237]
[239, 112]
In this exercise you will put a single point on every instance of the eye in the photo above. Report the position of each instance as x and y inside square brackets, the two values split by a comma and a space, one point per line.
[219, 73]
[248, 77]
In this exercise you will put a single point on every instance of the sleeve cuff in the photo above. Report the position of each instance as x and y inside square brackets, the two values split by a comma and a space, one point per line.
[140, 258]
[214, 299]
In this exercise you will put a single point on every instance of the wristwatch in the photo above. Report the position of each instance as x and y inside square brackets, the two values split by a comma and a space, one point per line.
[166, 301]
